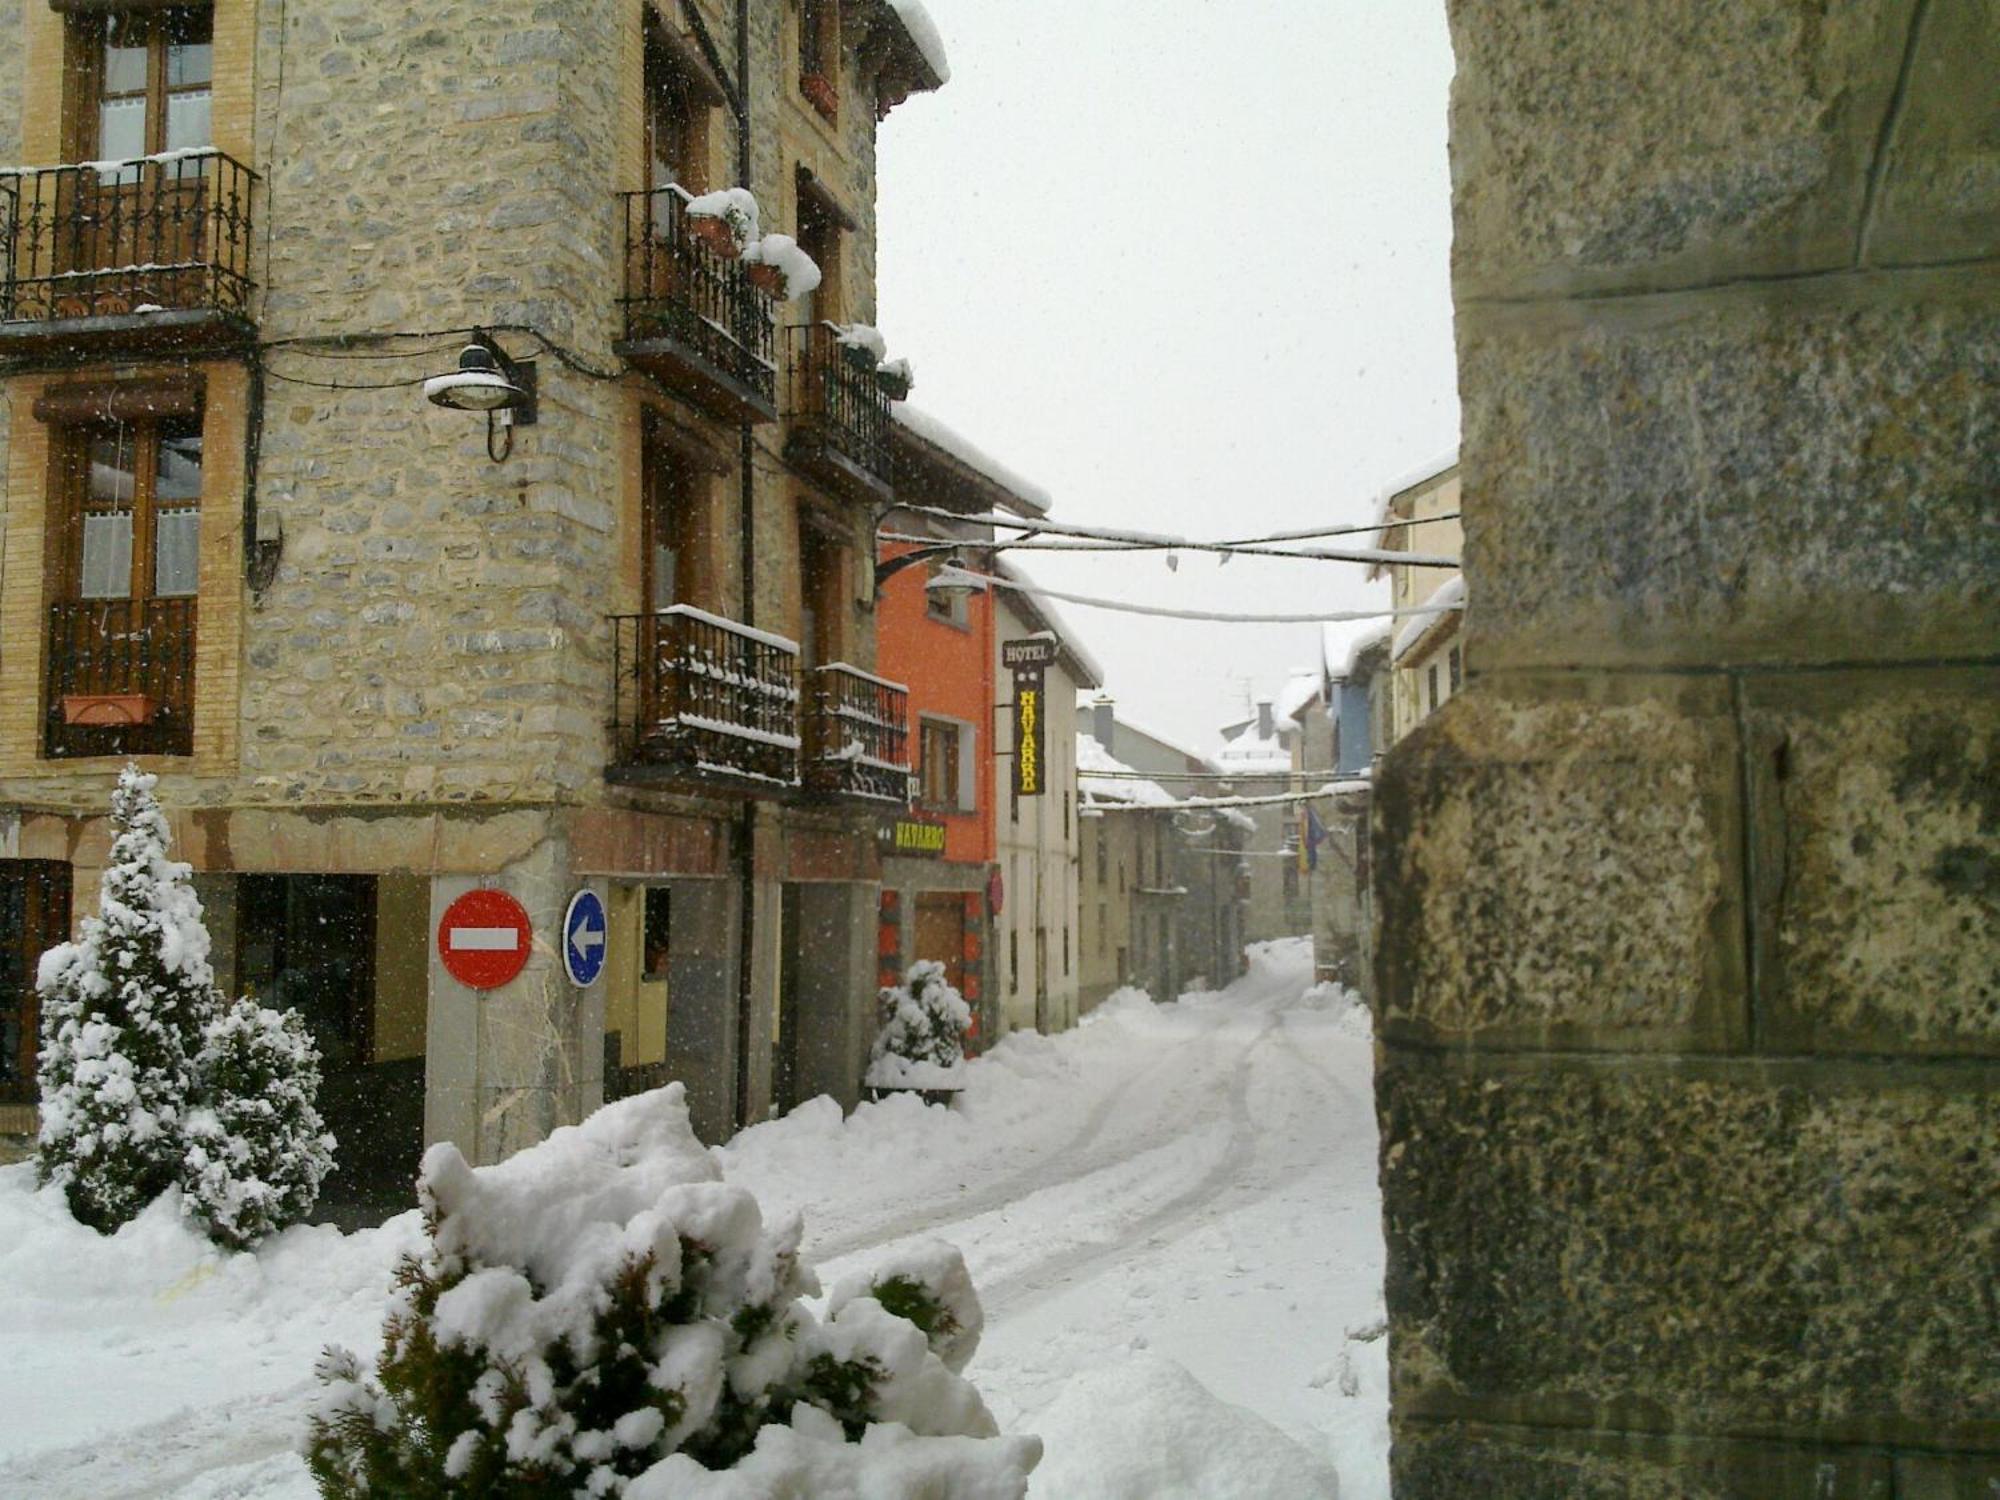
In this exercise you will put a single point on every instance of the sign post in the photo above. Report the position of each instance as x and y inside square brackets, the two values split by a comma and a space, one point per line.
[584, 929]
[483, 939]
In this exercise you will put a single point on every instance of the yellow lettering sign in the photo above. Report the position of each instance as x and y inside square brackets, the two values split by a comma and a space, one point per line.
[1028, 739]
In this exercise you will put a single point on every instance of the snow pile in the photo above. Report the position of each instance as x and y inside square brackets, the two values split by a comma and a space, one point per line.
[782, 253]
[1101, 777]
[148, 1079]
[602, 1315]
[921, 1044]
[1348, 1010]
[1145, 1429]
[865, 337]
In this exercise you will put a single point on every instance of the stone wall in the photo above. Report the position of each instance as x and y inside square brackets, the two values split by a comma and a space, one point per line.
[1691, 904]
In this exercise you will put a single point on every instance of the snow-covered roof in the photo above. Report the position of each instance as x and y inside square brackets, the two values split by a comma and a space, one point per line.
[1104, 778]
[1449, 598]
[1300, 689]
[924, 35]
[1345, 665]
[1023, 496]
[1041, 614]
[1402, 484]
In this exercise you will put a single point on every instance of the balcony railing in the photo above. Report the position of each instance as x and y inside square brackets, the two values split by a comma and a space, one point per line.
[857, 739]
[692, 318]
[157, 235]
[839, 413]
[120, 678]
[699, 695]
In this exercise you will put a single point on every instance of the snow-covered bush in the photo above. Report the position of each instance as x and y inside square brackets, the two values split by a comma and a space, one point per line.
[601, 1315]
[921, 1044]
[123, 1010]
[928, 1284]
[797, 272]
[257, 1149]
[149, 1079]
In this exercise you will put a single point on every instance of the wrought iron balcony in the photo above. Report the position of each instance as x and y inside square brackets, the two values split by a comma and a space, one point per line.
[126, 255]
[839, 414]
[692, 319]
[120, 678]
[857, 736]
[702, 698]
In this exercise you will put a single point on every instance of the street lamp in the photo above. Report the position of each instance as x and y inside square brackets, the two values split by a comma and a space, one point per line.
[487, 380]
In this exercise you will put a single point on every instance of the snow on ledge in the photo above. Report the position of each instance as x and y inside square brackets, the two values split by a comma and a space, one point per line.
[924, 33]
[938, 435]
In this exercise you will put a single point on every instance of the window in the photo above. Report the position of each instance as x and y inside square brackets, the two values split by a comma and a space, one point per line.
[945, 765]
[152, 70]
[1103, 853]
[822, 595]
[819, 237]
[1066, 815]
[819, 55]
[1431, 677]
[1065, 950]
[1103, 927]
[656, 942]
[134, 491]
[1014, 959]
[676, 121]
[1121, 877]
[1457, 669]
[675, 522]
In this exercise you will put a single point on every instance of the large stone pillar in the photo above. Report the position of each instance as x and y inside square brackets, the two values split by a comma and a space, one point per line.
[1690, 907]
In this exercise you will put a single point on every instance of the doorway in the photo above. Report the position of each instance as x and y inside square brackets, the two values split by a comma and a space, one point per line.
[322, 946]
[34, 917]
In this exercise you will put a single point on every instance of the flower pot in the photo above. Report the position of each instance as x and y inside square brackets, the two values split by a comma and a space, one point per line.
[767, 279]
[895, 384]
[820, 93]
[713, 235]
[109, 710]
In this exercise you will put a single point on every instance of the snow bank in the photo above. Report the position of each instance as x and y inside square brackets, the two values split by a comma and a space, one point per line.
[1145, 1429]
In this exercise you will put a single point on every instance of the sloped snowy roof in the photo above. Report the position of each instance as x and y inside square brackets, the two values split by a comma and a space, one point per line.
[1449, 593]
[1402, 483]
[924, 34]
[1126, 788]
[1029, 498]
[1300, 689]
[1346, 664]
[1041, 614]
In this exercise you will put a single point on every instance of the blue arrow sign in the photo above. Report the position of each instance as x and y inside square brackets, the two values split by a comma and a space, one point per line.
[583, 938]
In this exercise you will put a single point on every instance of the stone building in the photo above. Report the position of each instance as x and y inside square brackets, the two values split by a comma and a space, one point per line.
[383, 652]
[1689, 1079]
[1259, 758]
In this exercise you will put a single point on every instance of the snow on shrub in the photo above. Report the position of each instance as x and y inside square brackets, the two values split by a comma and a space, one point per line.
[149, 1079]
[122, 1014]
[257, 1149]
[927, 1283]
[601, 1315]
[736, 207]
[922, 1041]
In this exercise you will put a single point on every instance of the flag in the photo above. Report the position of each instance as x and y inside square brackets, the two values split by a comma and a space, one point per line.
[1309, 842]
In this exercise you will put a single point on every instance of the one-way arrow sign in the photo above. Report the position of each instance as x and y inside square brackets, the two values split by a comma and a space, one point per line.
[583, 938]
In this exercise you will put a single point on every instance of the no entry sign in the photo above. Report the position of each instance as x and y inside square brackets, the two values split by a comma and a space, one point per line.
[483, 939]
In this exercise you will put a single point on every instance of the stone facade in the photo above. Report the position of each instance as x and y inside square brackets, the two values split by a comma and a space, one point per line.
[1687, 1084]
[426, 685]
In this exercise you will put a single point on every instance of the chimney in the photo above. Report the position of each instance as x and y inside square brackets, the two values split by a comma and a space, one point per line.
[1104, 725]
[1266, 729]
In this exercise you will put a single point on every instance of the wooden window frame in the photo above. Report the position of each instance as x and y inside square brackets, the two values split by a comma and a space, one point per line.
[87, 33]
[951, 732]
[70, 447]
[667, 80]
[819, 57]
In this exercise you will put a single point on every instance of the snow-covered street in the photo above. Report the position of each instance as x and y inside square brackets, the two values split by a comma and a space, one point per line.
[1171, 1216]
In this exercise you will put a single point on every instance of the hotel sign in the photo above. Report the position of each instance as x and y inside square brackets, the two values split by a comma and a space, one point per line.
[1030, 653]
[912, 836]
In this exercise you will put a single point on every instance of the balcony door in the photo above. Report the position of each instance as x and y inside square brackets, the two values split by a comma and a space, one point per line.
[147, 76]
[121, 631]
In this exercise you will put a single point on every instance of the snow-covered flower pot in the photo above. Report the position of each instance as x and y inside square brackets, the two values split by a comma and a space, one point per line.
[895, 380]
[722, 222]
[820, 93]
[768, 279]
[920, 1048]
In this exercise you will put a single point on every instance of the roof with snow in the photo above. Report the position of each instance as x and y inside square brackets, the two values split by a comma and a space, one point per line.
[968, 476]
[913, 59]
[1299, 690]
[1424, 476]
[1042, 615]
[1449, 600]
[1347, 664]
[1103, 778]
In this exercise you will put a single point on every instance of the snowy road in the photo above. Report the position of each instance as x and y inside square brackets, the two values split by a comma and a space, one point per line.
[1171, 1215]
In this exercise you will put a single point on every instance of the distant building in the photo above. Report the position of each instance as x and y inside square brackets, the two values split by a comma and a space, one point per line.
[1185, 883]
[1129, 905]
[1258, 758]
[1352, 709]
[1419, 515]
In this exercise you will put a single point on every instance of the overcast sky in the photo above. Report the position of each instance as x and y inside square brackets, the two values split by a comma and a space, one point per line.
[1185, 264]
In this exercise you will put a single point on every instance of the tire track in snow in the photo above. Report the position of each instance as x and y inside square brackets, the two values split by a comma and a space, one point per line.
[1161, 1226]
[1057, 1166]
[191, 1444]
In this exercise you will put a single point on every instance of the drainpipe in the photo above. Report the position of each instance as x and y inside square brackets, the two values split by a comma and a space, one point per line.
[746, 842]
